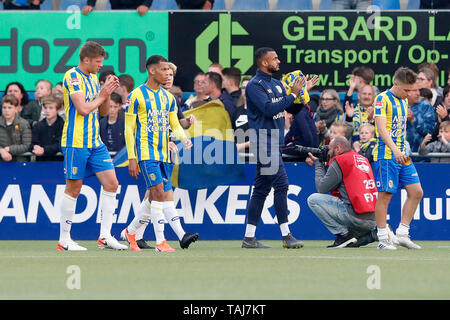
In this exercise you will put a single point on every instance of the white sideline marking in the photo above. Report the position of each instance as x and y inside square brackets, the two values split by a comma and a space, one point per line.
[159, 256]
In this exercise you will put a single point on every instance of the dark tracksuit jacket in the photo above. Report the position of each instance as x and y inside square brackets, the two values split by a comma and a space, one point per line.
[266, 102]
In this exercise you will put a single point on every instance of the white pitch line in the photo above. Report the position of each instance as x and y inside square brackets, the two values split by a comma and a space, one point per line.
[232, 257]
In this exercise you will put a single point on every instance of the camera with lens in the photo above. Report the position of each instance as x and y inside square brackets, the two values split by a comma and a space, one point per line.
[320, 153]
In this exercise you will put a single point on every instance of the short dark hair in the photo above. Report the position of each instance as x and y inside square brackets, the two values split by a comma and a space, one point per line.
[155, 59]
[116, 98]
[104, 74]
[9, 98]
[233, 73]
[91, 49]
[215, 78]
[426, 93]
[405, 76]
[260, 53]
[127, 81]
[365, 73]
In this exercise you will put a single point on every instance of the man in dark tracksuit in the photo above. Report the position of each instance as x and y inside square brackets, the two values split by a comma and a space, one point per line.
[266, 102]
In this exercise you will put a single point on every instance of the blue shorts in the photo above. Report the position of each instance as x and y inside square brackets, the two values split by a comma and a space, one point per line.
[390, 175]
[155, 172]
[84, 162]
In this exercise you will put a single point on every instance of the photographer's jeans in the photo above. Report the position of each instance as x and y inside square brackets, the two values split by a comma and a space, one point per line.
[334, 215]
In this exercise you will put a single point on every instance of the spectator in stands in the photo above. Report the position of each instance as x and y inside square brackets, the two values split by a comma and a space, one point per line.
[141, 6]
[363, 112]
[178, 93]
[112, 126]
[442, 145]
[427, 79]
[213, 89]
[184, 122]
[43, 89]
[46, 134]
[434, 67]
[195, 4]
[240, 118]
[15, 132]
[328, 111]
[434, 4]
[26, 112]
[58, 87]
[361, 76]
[199, 89]
[216, 67]
[126, 86]
[442, 111]
[103, 75]
[367, 141]
[231, 82]
[351, 4]
[421, 119]
[426, 94]
[22, 4]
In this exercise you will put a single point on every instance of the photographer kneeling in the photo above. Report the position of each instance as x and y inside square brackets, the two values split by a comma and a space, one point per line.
[349, 211]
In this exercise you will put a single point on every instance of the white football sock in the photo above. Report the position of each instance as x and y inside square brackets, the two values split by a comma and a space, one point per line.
[141, 218]
[173, 218]
[250, 231]
[382, 233]
[284, 227]
[67, 209]
[143, 207]
[402, 229]
[107, 213]
[157, 217]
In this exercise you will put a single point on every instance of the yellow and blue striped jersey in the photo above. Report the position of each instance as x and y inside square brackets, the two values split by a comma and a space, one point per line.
[80, 131]
[395, 111]
[154, 111]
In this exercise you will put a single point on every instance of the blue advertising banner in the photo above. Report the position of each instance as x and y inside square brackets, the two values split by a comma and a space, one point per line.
[30, 193]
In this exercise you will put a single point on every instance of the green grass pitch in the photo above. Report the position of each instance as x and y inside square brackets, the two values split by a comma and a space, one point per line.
[221, 270]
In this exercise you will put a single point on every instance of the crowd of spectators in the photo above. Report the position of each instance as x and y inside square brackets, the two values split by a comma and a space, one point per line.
[31, 130]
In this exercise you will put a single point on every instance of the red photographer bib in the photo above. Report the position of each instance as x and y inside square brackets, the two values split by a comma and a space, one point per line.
[358, 180]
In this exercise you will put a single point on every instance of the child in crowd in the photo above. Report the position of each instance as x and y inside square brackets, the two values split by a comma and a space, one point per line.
[366, 142]
[46, 141]
[15, 132]
[112, 126]
[442, 145]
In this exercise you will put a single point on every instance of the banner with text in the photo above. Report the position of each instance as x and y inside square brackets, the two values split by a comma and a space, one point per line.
[44, 45]
[30, 195]
[329, 44]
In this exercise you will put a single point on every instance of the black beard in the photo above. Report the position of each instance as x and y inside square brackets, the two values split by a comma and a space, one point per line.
[272, 70]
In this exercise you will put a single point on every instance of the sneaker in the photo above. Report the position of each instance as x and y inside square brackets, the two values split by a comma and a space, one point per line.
[110, 243]
[164, 247]
[252, 243]
[386, 245]
[290, 242]
[143, 244]
[343, 241]
[69, 245]
[187, 239]
[131, 239]
[405, 241]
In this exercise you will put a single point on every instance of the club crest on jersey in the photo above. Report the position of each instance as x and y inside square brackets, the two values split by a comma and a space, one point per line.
[75, 81]
[379, 105]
